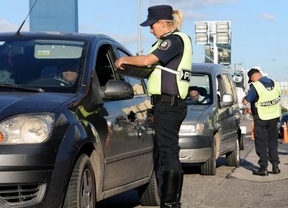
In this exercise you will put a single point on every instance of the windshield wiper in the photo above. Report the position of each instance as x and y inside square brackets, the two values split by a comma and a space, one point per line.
[29, 89]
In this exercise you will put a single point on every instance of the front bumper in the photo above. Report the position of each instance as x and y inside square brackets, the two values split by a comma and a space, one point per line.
[194, 149]
[28, 177]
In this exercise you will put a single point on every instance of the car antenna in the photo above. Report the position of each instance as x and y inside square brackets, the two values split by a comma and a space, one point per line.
[18, 31]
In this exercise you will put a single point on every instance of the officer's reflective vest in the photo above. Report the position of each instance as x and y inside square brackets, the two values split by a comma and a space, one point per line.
[268, 104]
[184, 68]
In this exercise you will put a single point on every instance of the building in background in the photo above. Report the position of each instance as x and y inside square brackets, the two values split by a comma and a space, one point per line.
[54, 15]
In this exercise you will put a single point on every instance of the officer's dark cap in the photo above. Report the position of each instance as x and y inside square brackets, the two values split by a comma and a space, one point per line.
[156, 13]
[251, 72]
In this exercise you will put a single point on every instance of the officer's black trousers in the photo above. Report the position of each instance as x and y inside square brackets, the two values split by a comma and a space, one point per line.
[167, 121]
[266, 141]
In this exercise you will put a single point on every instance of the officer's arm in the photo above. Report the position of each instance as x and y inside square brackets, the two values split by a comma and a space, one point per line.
[141, 60]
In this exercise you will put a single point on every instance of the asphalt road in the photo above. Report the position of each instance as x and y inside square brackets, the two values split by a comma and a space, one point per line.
[230, 188]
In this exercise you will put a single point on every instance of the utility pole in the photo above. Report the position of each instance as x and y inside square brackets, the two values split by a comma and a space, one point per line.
[139, 28]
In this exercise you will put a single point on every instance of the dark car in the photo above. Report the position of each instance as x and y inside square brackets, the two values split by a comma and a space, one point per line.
[71, 145]
[282, 120]
[212, 125]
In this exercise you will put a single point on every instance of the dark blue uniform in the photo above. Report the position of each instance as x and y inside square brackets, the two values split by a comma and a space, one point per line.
[169, 110]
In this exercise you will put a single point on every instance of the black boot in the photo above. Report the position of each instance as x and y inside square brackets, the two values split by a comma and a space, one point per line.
[261, 172]
[171, 189]
[275, 169]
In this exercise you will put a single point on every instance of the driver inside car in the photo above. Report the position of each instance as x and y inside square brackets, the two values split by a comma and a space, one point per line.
[195, 96]
[69, 73]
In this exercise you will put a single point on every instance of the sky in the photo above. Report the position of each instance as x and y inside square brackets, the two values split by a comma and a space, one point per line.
[258, 26]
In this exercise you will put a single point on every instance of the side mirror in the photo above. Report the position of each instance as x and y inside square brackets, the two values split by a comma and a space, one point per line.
[227, 100]
[117, 90]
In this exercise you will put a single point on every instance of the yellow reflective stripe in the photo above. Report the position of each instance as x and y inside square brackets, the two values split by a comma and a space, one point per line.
[84, 112]
[268, 105]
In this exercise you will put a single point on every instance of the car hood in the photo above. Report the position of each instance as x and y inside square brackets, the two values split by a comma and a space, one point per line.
[17, 103]
[194, 112]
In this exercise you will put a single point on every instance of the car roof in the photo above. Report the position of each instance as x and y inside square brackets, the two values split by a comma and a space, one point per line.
[210, 68]
[55, 35]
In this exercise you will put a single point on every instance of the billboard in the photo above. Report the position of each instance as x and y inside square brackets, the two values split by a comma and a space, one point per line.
[224, 54]
[54, 15]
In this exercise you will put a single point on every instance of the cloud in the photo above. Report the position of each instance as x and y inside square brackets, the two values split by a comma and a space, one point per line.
[191, 4]
[218, 1]
[192, 10]
[6, 26]
[268, 17]
[124, 39]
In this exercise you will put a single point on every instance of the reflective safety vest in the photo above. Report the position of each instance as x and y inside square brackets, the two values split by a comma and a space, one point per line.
[268, 104]
[85, 113]
[184, 70]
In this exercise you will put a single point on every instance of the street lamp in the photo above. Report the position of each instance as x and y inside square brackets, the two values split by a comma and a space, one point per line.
[216, 32]
[201, 33]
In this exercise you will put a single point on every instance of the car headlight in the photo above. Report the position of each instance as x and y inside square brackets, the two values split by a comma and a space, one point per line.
[190, 128]
[26, 129]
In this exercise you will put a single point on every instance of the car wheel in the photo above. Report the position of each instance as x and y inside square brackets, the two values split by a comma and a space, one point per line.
[233, 158]
[241, 142]
[81, 191]
[148, 194]
[209, 167]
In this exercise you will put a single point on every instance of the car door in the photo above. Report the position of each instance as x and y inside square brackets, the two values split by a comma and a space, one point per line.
[226, 114]
[128, 147]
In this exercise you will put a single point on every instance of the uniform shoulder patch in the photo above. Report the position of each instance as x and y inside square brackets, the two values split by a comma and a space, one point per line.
[164, 45]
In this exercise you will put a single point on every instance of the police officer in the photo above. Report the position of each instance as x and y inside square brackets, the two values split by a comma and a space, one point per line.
[264, 96]
[173, 50]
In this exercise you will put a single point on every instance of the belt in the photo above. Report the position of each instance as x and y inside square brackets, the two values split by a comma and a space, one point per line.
[172, 99]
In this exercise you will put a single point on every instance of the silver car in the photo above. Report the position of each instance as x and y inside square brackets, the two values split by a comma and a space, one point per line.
[212, 125]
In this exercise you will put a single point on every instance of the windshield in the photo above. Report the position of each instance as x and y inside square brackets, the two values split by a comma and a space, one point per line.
[51, 65]
[199, 92]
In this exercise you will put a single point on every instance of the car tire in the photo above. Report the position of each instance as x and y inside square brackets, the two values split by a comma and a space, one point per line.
[241, 142]
[209, 167]
[233, 158]
[81, 191]
[148, 194]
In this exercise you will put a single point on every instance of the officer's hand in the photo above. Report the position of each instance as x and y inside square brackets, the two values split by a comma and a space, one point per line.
[119, 62]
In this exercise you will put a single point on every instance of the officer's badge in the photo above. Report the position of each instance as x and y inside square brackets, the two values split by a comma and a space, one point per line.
[164, 45]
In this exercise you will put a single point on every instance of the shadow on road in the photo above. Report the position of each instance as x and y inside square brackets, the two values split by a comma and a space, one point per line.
[128, 199]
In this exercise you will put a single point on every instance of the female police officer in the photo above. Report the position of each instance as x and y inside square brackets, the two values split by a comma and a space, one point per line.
[173, 50]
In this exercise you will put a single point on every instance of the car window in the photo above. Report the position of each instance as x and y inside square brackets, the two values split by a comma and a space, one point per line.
[103, 67]
[137, 83]
[220, 87]
[233, 88]
[37, 63]
[105, 70]
[201, 85]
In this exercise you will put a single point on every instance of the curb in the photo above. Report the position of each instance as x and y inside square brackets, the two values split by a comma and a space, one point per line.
[250, 162]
